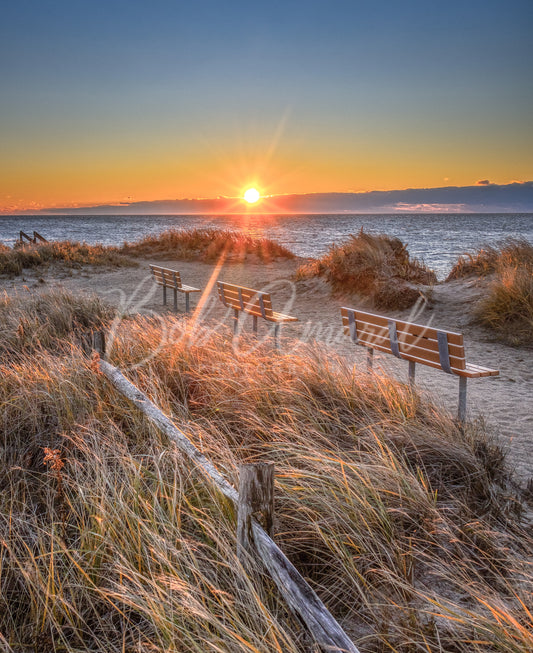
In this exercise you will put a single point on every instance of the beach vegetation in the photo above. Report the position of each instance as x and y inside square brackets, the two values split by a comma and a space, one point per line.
[66, 253]
[512, 253]
[506, 306]
[408, 526]
[375, 266]
[208, 245]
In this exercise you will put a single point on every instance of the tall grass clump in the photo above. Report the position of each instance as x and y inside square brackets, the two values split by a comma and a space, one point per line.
[512, 253]
[507, 305]
[207, 245]
[70, 254]
[507, 308]
[408, 529]
[47, 321]
[377, 267]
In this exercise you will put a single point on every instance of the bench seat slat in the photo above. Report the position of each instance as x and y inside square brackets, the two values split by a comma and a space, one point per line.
[250, 297]
[416, 359]
[410, 327]
[421, 351]
[481, 371]
[231, 295]
[417, 343]
[365, 332]
[281, 317]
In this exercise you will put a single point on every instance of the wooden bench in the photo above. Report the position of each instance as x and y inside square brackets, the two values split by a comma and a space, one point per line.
[443, 350]
[171, 279]
[254, 302]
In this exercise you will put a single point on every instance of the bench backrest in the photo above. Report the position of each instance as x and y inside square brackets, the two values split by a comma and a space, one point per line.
[415, 342]
[166, 277]
[251, 301]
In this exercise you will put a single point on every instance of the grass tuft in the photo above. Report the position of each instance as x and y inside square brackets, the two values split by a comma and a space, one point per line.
[47, 321]
[67, 253]
[507, 307]
[408, 527]
[207, 245]
[377, 267]
[512, 253]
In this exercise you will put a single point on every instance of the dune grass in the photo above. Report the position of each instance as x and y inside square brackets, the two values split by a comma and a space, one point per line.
[377, 267]
[207, 244]
[408, 528]
[512, 253]
[507, 307]
[70, 254]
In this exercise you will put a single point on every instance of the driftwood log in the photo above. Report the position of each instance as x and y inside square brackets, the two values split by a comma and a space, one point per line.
[300, 597]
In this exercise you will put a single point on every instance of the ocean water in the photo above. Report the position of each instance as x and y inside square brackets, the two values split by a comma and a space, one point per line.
[437, 239]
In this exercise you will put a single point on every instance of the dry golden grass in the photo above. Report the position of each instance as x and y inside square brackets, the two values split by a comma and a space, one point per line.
[207, 245]
[507, 307]
[377, 267]
[408, 528]
[512, 253]
[69, 254]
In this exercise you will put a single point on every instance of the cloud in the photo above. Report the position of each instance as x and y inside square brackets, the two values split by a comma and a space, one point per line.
[430, 208]
[484, 197]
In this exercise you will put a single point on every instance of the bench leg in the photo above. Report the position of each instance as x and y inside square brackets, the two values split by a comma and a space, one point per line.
[175, 300]
[412, 367]
[254, 324]
[276, 335]
[461, 414]
[235, 321]
[164, 295]
[186, 302]
[369, 358]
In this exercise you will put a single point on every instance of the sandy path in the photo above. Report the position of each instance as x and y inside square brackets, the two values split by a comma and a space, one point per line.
[505, 402]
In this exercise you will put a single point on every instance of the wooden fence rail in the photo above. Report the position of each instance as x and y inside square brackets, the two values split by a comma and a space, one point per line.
[300, 597]
[36, 237]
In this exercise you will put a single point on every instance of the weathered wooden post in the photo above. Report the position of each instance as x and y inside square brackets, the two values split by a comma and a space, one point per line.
[256, 499]
[99, 342]
[369, 358]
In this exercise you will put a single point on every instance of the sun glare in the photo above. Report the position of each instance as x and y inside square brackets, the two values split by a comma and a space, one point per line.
[251, 195]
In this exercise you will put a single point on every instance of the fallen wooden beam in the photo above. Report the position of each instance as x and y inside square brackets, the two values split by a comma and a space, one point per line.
[37, 236]
[300, 597]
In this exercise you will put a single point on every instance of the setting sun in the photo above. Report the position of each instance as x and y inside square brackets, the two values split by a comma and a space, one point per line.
[251, 195]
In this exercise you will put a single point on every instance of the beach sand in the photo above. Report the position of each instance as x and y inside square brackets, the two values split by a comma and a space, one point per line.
[504, 402]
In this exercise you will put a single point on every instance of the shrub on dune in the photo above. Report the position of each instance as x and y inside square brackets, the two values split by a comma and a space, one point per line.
[407, 527]
[207, 245]
[507, 309]
[507, 306]
[67, 253]
[48, 321]
[512, 253]
[375, 266]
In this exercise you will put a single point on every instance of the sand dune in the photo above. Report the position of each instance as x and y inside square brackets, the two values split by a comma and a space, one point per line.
[504, 402]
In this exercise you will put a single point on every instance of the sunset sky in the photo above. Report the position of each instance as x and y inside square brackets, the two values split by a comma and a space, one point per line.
[125, 101]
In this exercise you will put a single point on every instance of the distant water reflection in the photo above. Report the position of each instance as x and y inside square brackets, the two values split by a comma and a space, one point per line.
[436, 238]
